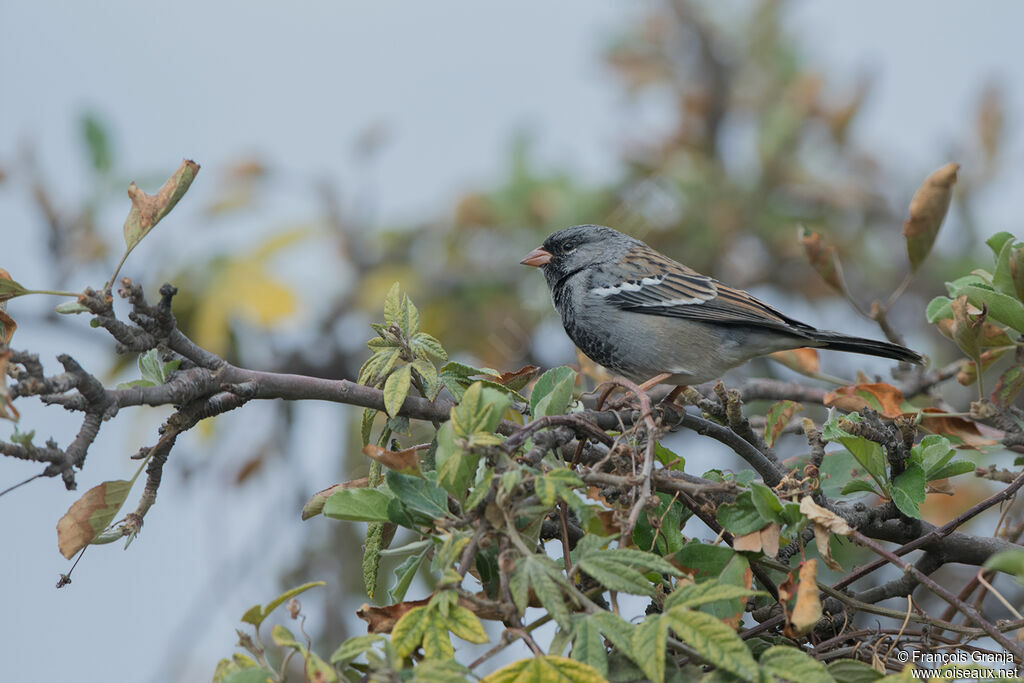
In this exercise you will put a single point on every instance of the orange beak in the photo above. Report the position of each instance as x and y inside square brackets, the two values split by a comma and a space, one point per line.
[538, 257]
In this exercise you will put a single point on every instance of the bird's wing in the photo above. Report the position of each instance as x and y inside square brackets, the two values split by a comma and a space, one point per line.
[657, 285]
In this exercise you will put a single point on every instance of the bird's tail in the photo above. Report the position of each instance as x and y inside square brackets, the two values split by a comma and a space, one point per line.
[870, 347]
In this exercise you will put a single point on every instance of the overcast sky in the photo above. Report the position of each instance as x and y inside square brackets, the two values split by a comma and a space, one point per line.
[295, 84]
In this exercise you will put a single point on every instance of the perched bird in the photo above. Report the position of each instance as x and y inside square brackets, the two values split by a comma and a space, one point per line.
[650, 319]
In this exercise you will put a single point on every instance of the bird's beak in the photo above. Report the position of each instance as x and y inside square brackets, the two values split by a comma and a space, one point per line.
[538, 257]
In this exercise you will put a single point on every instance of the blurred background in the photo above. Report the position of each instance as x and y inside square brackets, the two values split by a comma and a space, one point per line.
[346, 146]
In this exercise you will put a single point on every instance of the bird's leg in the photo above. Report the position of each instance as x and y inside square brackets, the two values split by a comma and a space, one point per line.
[654, 381]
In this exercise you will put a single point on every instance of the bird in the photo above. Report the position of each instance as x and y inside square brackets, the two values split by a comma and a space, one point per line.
[650, 319]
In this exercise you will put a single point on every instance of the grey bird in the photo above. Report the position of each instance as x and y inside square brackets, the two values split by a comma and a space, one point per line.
[650, 319]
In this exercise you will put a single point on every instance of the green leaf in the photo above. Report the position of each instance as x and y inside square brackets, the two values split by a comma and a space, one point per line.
[615, 629]
[766, 503]
[544, 669]
[617, 569]
[428, 373]
[552, 392]
[1008, 562]
[668, 458]
[908, 490]
[149, 366]
[648, 646]
[258, 675]
[408, 631]
[705, 592]
[393, 304]
[741, 516]
[404, 574]
[858, 486]
[713, 641]
[588, 645]
[480, 490]
[440, 671]
[353, 647]
[378, 366]
[396, 388]
[409, 318]
[853, 671]
[419, 494]
[997, 241]
[466, 625]
[358, 505]
[1010, 384]
[97, 142]
[1001, 307]
[1002, 278]
[455, 467]
[871, 457]
[932, 453]
[71, 307]
[426, 347]
[790, 663]
[939, 308]
[480, 411]
[256, 614]
[436, 642]
[668, 537]
[952, 469]
[837, 469]
[547, 580]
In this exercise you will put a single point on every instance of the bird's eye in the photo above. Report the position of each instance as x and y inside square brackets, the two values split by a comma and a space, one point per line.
[569, 247]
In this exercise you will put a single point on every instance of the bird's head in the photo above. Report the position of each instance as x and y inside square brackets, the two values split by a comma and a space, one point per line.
[572, 249]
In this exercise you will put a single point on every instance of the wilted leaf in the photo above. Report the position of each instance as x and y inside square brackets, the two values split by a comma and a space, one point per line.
[1010, 384]
[148, 210]
[807, 610]
[383, 619]
[777, 418]
[518, 379]
[823, 258]
[89, 515]
[879, 396]
[406, 461]
[805, 361]
[961, 431]
[9, 288]
[928, 208]
[967, 330]
[825, 522]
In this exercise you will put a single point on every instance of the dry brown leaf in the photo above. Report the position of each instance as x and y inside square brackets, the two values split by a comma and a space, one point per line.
[147, 209]
[824, 258]
[406, 461]
[825, 522]
[383, 619]
[805, 361]
[770, 539]
[807, 610]
[89, 515]
[964, 432]
[927, 210]
[748, 542]
[885, 398]
[518, 379]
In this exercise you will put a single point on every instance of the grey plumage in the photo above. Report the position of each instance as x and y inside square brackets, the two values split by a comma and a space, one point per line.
[640, 314]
